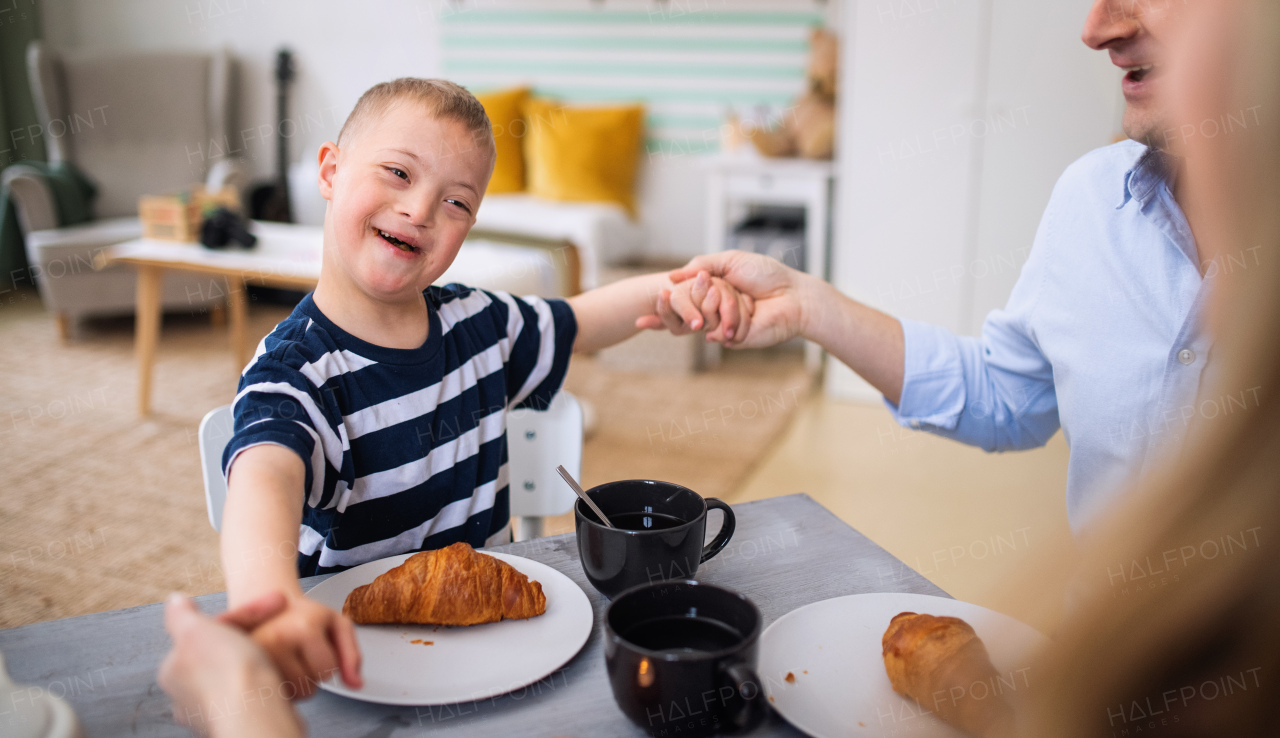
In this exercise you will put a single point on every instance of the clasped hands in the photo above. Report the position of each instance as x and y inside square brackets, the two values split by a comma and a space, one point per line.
[742, 300]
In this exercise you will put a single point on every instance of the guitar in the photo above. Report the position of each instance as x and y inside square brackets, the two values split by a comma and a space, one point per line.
[270, 200]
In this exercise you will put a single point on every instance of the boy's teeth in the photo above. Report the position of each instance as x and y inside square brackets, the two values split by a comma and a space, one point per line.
[395, 241]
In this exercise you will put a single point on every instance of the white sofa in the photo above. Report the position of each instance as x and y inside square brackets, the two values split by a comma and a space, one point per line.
[603, 232]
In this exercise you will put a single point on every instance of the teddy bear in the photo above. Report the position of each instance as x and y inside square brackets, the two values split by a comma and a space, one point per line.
[808, 128]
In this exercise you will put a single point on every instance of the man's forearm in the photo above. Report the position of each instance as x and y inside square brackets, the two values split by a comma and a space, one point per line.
[260, 524]
[607, 315]
[868, 341]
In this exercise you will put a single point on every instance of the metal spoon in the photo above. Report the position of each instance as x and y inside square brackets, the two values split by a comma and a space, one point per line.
[568, 478]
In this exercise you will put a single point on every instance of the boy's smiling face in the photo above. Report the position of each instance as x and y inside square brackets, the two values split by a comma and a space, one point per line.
[403, 192]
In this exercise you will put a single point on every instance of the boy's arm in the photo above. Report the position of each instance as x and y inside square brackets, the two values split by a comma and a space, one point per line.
[260, 523]
[614, 313]
[308, 642]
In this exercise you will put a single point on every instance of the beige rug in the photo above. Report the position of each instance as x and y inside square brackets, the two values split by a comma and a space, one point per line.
[100, 510]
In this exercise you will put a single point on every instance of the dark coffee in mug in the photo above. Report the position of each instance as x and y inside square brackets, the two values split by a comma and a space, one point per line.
[681, 634]
[658, 533]
[681, 659]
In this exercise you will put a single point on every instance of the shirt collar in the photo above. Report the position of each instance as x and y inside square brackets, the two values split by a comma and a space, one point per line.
[1153, 170]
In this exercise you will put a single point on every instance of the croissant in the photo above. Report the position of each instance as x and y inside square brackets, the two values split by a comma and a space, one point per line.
[941, 664]
[450, 586]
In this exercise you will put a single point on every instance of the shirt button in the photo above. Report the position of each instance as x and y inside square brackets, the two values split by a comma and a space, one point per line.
[1186, 356]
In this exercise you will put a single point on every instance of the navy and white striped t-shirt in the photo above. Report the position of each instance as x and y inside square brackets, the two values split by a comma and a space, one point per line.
[405, 449]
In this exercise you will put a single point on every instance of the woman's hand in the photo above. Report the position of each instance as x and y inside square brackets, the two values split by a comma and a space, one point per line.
[221, 683]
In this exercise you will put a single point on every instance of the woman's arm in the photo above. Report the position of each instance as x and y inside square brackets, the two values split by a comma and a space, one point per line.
[221, 683]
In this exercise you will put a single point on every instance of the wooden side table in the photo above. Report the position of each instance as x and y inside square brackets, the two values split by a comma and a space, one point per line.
[735, 183]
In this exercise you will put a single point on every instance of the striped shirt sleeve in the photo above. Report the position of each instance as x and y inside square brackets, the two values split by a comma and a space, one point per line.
[540, 333]
[278, 405]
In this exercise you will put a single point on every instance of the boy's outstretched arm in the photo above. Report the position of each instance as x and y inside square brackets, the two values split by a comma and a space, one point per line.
[613, 313]
[307, 641]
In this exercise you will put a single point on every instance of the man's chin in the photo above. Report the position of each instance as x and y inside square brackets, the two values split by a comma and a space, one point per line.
[1146, 127]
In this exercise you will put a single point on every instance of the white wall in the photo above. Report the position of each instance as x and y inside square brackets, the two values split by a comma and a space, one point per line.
[688, 61]
[1066, 100]
[340, 50]
[957, 118]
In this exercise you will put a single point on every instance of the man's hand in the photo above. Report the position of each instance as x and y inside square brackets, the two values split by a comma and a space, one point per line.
[704, 303]
[777, 291]
[789, 303]
[308, 642]
[220, 682]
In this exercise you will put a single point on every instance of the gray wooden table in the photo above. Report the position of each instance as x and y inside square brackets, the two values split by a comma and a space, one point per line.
[787, 552]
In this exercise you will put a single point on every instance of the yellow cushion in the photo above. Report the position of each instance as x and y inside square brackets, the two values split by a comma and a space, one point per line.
[505, 110]
[583, 154]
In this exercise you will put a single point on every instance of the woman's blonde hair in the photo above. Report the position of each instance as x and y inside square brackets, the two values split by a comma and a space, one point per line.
[1177, 627]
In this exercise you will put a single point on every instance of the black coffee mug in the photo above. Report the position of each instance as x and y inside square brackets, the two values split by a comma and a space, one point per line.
[659, 536]
[681, 659]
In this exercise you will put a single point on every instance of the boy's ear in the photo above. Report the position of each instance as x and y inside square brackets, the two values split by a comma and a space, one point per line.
[328, 168]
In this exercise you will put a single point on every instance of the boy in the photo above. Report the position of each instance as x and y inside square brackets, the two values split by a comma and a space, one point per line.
[372, 421]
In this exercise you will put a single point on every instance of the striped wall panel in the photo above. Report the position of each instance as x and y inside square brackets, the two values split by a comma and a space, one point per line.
[688, 61]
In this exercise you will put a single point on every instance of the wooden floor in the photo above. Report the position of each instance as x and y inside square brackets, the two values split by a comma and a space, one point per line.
[972, 522]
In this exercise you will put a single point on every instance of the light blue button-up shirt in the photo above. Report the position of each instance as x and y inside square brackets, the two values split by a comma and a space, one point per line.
[1101, 336]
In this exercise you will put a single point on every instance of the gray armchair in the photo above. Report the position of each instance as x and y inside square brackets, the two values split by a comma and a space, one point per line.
[133, 124]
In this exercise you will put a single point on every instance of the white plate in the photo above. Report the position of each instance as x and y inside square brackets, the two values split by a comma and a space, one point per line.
[841, 689]
[463, 663]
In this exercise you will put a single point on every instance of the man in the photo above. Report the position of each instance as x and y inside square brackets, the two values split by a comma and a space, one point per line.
[1101, 335]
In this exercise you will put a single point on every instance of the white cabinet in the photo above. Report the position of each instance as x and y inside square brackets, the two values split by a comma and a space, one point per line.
[737, 183]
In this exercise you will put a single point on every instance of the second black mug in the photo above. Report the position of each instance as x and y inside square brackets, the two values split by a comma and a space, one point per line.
[681, 659]
[661, 527]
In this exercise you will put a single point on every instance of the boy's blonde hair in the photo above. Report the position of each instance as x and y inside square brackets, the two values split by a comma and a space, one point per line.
[443, 100]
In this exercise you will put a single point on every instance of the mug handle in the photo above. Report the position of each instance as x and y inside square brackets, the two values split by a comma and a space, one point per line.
[747, 684]
[726, 530]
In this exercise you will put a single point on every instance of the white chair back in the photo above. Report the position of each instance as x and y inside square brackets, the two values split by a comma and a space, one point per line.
[215, 432]
[537, 442]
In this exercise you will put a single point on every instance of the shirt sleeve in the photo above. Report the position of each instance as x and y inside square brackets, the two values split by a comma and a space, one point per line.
[541, 333]
[997, 391]
[278, 405]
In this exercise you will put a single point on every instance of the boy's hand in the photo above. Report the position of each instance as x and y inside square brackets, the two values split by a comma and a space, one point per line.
[308, 642]
[704, 303]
